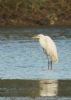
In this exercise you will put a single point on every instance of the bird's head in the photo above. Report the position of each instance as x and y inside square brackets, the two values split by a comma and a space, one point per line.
[38, 36]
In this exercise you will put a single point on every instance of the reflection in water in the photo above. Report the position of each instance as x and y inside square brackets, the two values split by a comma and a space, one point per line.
[49, 88]
[35, 88]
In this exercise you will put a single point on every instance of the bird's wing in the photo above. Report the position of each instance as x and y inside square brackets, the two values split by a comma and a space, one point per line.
[51, 48]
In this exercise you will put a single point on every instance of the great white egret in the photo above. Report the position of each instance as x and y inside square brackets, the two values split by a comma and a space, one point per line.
[49, 48]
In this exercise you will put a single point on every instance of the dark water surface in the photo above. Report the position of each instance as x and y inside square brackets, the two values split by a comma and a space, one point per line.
[35, 89]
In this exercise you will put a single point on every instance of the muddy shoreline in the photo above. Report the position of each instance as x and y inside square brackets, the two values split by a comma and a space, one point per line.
[35, 88]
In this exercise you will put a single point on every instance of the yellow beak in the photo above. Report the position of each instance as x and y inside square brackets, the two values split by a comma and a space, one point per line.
[35, 37]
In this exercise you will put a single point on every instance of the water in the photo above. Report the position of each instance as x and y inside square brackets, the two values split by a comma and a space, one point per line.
[21, 57]
[35, 89]
[38, 98]
[24, 73]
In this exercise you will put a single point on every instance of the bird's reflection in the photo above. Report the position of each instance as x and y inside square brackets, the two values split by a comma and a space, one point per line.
[35, 88]
[49, 88]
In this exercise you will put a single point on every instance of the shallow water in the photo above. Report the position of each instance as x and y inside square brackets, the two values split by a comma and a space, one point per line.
[21, 57]
[38, 98]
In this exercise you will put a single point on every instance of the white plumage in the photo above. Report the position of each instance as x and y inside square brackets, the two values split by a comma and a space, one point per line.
[49, 48]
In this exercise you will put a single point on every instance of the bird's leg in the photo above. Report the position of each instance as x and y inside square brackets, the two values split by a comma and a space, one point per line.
[51, 64]
[48, 58]
[48, 63]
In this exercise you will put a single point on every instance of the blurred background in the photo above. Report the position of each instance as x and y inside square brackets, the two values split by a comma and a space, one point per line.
[35, 12]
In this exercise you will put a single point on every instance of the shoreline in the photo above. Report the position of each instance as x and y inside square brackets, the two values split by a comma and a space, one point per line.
[35, 88]
[36, 27]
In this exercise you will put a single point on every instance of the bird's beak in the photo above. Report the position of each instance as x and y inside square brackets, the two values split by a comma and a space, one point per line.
[35, 37]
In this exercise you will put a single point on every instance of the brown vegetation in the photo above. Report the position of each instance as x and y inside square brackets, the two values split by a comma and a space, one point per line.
[35, 12]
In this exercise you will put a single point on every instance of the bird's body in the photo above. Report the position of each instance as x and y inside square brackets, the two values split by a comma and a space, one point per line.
[49, 48]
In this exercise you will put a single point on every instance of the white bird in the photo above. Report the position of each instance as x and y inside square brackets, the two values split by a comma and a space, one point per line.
[49, 48]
